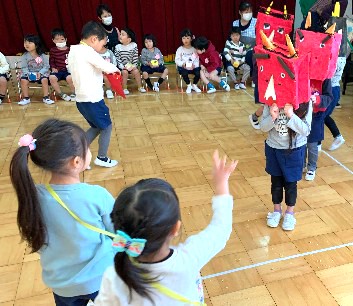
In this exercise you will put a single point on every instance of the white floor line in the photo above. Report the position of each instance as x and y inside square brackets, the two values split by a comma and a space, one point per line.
[338, 162]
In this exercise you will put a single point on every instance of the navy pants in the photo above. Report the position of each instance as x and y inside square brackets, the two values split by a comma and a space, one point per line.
[80, 300]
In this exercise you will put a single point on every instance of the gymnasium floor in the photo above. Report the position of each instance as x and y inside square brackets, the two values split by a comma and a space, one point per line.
[172, 135]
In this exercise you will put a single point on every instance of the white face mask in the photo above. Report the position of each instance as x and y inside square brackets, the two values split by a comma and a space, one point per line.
[247, 16]
[107, 20]
[61, 45]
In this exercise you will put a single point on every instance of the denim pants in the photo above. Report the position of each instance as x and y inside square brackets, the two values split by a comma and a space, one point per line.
[312, 153]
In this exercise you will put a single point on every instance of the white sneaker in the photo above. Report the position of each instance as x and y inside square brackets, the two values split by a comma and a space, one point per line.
[310, 175]
[126, 92]
[337, 142]
[319, 148]
[24, 102]
[110, 94]
[288, 222]
[65, 97]
[108, 164]
[188, 89]
[226, 87]
[273, 219]
[48, 101]
[156, 86]
[195, 88]
[236, 86]
[142, 90]
[73, 97]
[242, 86]
[252, 84]
[255, 124]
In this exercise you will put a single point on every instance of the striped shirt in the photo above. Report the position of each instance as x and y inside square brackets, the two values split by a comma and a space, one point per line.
[58, 58]
[235, 51]
[126, 54]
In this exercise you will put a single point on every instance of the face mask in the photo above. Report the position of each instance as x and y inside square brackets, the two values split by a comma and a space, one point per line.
[61, 45]
[247, 16]
[108, 20]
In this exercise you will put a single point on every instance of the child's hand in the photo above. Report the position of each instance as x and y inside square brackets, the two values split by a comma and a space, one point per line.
[274, 111]
[313, 99]
[221, 173]
[288, 110]
[54, 70]
[38, 75]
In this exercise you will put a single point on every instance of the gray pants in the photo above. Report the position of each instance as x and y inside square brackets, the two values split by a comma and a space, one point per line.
[103, 141]
[246, 72]
[312, 153]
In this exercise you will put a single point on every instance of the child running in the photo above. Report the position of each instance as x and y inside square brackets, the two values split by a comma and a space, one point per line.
[73, 257]
[147, 270]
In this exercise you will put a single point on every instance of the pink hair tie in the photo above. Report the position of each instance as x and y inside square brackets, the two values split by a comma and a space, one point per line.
[27, 141]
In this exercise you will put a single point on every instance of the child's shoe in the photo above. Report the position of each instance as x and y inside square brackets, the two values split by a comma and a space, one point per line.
[156, 86]
[236, 86]
[188, 89]
[242, 85]
[65, 97]
[73, 97]
[48, 101]
[24, 102]
[224, 85]
[289, 222]
[310, 175]
[319, 147]
[210, 88]
[105, 162]
[195, 88]
[110, 94]
[273, 218]
[142, 90]
[252, 84]
[337, 142]
[126, 92]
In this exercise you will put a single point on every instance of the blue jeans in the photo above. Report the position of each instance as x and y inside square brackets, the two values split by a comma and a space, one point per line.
[80, 300]
[329, 122]
[313, 154]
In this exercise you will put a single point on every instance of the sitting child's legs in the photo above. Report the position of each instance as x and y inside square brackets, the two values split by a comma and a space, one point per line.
[231, 71]
[24, 88]
[246, 72]
[70, 83]
[45, 86]
[3, 87]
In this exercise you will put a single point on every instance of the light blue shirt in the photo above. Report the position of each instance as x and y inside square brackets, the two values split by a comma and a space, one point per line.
[76, 257]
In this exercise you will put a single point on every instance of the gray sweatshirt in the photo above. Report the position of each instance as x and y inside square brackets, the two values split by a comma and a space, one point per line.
[31, 64]
[147, 56]
[278, 136]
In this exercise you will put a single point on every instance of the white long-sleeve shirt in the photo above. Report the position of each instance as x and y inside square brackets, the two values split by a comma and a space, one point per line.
[181, 271]
[86, 67]
[4, 66]
[184, 55]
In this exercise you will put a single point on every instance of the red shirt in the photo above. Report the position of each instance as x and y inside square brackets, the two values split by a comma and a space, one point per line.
[58, 58]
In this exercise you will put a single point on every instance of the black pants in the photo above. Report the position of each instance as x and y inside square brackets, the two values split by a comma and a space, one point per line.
[278, 183]
[185, 74]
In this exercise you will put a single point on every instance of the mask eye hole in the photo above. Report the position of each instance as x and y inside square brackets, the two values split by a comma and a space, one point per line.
[283, 75]
[261, 68]
[267, 26]
[280, 30]
[322, 45]
[301, 39]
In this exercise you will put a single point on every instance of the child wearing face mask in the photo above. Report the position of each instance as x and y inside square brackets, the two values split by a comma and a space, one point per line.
[58, 65]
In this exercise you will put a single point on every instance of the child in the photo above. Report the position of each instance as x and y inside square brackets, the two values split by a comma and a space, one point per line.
[86, 67]
[142, 272]
[127, 58]
[4, 76]
[148, 56]
[110, 58]
[187, 61]
[211, 64]
[58, 64]
[34, 68]
[284, 149]
[72, 256]
[235, 52]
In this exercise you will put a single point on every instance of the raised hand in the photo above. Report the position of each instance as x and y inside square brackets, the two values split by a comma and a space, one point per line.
[288, 110]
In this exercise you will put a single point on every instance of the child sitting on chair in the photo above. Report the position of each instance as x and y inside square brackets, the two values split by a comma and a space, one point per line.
[108, 56]
[4, 77]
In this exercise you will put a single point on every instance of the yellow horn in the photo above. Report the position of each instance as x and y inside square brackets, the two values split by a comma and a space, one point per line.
[336, 12]
[290, 46]
[285, 13]
[331, 29]
[266, 42]
[268, 10]
[308, 21]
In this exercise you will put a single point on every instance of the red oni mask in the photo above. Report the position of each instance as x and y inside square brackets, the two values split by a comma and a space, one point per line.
[271, 20]
[282, 79]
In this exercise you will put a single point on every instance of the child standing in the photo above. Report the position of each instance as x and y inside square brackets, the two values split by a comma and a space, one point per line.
[72, 256]
[152, 61]
[4, 76]
[235, 52]
[127, 58]
[285, 149]
[58, 64]
[86, 67]
[211, 64]
[110, 58]
[187, 61]
[142, 271]
[34, 68]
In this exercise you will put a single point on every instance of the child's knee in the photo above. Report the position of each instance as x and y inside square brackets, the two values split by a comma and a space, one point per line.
[53, 78]
[44, 81]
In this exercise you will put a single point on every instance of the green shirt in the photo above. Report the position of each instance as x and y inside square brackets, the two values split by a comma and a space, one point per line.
[305, 6]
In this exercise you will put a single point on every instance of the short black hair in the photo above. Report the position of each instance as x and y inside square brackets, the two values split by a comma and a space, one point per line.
[244, 5]
[186, 33]
[130, 33]
[150, 37]
[103, 7]
[58, 32]
[201, 43]
[235, 30]
[93, 28]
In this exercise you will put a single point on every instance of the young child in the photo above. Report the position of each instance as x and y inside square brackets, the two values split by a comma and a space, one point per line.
[86, 67]
[72, 256]
[152, 61]
[146, 263]
[110, 58]
[187, 61]
[4, 76]
[211, 64]
[34, 68]
[235, 52]
[127, 58]
[58, 64]
[285, 149]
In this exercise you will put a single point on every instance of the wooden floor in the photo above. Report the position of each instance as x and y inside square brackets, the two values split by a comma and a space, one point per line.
[172, 135]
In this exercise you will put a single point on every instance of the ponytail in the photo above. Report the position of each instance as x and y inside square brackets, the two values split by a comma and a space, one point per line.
[29, 216]
[301, 112]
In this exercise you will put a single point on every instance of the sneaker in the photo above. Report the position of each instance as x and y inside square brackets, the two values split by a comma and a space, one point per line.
[156, 86]
[288, 222]
[73, 97]
[210, 88]
[24, 102]
[195, 88]
[110, 94]
[319, 148]
[338, 106]
[142, 90]
[252, 84]
[236, 86]
[224, 85]
[273, 219]
[48, 101]
[242, 86]
[255, 124]
[65, 97]
[337, 142]
[310, 175]
[126, 92]
[188, 89]
[107, 162]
